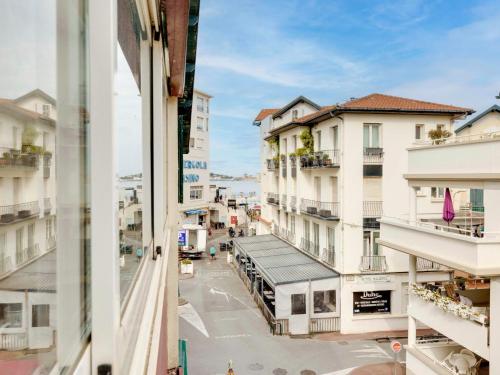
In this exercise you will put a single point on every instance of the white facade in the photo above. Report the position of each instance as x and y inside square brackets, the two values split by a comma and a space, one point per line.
[471, 248]
[196, 169]
[27, 217]
[329, 207]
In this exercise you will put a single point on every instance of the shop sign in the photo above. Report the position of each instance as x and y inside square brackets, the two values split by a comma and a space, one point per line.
[195, 164]
[181, 238]
[375, 279]
[191, 178]
[372, 302]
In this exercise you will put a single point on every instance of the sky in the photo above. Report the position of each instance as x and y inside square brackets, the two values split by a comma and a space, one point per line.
[255, 54]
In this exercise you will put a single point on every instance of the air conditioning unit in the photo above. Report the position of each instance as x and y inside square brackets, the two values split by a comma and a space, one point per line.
[312, 210]
[325, 213]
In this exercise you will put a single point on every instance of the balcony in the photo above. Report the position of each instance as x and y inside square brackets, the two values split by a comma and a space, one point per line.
[273, 198]
[451, 157]
[328, 256]
[27, 254]
[464, 331]
[321, 159]
[272, 164]
[284, 234]
[373, 155]
[16, 212]
[293, 203]
[449, 246]
[372, 208]
[373, 263]
[283, 201]
[11, 158]
[309, 247]
[321, 210]
[427, 265]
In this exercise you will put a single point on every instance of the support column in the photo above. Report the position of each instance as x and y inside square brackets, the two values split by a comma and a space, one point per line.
[412, 279]
[413, 204]
[494, 325]
[492, 215]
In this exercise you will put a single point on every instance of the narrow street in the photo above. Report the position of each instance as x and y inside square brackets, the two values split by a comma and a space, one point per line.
[221, 322]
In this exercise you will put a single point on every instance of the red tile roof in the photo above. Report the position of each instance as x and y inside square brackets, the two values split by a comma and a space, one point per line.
[312, 116]
[265, 112]
[395, 103]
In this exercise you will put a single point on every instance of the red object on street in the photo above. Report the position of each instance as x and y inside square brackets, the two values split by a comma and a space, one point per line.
[234, 220]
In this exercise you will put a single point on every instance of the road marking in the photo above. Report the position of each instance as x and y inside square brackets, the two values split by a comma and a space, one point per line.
[227, 295]
[232, 336]
[189, 314]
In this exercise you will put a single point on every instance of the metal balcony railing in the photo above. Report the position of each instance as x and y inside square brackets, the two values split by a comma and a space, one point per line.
[373, 263]
[27, 254]
[283, 201]
[285, 234]
[320, 159]
[272, 164]
[273, 198]
[329, 256]
[427, 265]
[373, 155]
[323, 210]
[309, 247]
[13, 212]
[14, 158]
[372, 208]
[293, 203]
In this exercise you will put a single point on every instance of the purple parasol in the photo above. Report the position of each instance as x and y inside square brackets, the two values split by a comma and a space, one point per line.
[448, 211]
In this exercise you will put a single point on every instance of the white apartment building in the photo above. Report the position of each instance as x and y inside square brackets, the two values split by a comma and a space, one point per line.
[328, 174]
[466, 310]
[120, 75]
[196, 172]
[27, 219]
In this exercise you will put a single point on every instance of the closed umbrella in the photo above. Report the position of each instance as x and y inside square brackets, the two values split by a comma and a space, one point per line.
[448, 211]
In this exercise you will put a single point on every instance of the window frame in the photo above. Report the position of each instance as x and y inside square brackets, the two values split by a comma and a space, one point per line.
[302, 308]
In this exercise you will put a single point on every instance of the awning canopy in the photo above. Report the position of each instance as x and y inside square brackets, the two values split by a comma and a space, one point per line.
[281, 263]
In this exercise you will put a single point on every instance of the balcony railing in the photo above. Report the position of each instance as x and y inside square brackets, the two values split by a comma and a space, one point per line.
[26, 254]
[320, 159]
[373, 263]
[284, 234]
[427, 265]
[14, 158]
[323, 210]
[14, 212]
[293, 203]
[329, 256]
[272, 164]
[273, 198]
[309, 247]
[373, 155]
[293, 166]
[372, 208]
[283, 201]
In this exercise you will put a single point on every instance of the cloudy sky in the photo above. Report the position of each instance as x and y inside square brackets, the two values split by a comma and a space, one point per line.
[254, 54]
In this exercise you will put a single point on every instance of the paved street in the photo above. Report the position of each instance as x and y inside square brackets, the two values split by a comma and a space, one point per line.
[222, 323]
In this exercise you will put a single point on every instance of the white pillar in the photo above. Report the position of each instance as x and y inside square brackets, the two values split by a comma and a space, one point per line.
[492, 213]
[412, 204]
[412, 279]
[494, 325]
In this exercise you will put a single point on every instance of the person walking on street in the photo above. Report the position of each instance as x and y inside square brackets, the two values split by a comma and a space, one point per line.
[212, 252]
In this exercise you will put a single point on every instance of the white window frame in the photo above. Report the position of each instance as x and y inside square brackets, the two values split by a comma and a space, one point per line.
[371, 126]
[437, 193]
[420, 130]
[198, 192]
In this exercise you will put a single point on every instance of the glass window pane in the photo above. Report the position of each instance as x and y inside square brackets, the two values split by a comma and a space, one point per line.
[366, 136]
[298, 304]
[324, 301]
[375, 139]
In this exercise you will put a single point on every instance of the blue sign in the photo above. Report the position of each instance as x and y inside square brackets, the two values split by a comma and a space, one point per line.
[181, 238]
[195, 164]
[191, 178]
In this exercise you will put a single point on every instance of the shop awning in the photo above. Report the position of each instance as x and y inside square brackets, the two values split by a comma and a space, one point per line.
[281, 263]
[195, 212]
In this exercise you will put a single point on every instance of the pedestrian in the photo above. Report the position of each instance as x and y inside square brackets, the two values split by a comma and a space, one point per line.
[212, 252]
[138, 253]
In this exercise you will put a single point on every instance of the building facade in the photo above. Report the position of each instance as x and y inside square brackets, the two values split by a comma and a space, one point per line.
[196, 171]
[464, 312]
[328, 174]
[95, 95]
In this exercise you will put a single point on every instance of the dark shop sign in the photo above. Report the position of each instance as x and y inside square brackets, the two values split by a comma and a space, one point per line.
[372, 302]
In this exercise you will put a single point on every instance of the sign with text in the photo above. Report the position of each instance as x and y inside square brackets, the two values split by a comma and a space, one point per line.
[372, 302]
[181, 238]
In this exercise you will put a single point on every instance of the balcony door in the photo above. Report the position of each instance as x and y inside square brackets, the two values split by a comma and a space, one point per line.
[31, 236]
[371, 136]
[335, 137]
[317, 189]
[370, 245]
[307, 233]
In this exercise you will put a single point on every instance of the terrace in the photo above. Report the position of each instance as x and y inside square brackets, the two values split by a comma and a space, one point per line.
[273, 198]
[322, 210]
[321, 159]
[16, 212]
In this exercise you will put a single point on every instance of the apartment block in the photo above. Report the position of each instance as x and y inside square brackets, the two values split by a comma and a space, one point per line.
[329, 174]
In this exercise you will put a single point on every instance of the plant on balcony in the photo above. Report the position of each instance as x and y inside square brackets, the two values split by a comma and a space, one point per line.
[292, 155]
[283, 157]
[30, 135]
[447, 304]
[439, 135]
[307, 140]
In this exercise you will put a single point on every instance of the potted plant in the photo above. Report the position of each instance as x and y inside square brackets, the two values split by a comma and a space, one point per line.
[187, 266]
[439, 135]
[326, 160]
